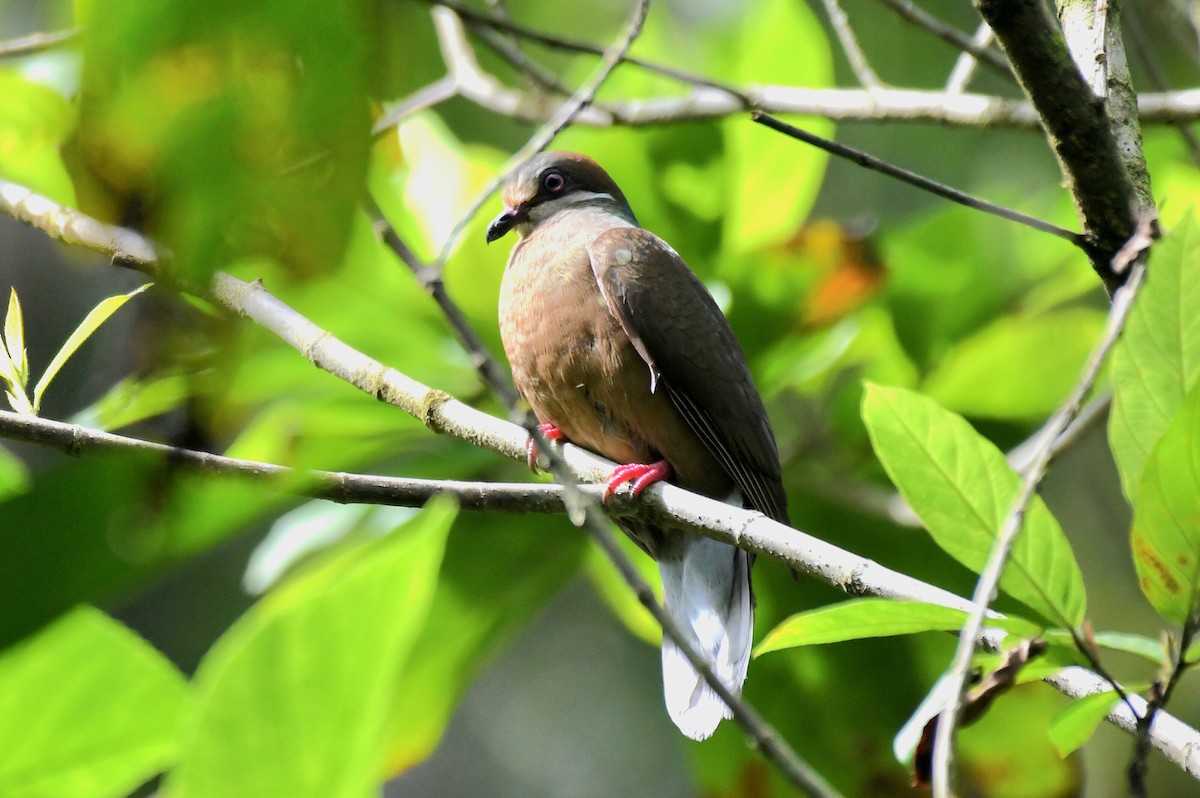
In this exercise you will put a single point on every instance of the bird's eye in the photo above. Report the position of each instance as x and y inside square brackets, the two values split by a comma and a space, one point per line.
[554, 182]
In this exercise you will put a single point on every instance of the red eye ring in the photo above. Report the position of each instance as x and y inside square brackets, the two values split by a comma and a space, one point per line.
[554, 182]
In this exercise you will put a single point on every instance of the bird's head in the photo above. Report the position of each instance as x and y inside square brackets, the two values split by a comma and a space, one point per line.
[550, 183]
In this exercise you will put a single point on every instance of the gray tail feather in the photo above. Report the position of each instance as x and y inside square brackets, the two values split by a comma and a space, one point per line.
[706, 588]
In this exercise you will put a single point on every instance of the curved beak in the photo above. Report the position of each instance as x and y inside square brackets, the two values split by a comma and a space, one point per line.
[503, 223]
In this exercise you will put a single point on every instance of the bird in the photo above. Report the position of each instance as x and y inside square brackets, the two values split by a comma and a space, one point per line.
[617, 347]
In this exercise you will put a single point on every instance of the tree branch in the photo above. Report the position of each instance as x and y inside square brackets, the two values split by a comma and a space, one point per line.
[662, 503]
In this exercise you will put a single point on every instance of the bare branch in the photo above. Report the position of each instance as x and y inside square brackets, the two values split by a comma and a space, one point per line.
[949, 34]
[989, 578]
[1079, 129]
[964, 67]
[850, 46]
[662, 503]
[36, 42]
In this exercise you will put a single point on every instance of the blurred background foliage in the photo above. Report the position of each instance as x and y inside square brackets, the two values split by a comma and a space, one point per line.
[462, 653]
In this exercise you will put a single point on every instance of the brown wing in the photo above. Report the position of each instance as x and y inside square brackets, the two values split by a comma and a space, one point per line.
[682, 335]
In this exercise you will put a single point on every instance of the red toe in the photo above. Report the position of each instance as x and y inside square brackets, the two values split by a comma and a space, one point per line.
[552, 434]
[642, 475]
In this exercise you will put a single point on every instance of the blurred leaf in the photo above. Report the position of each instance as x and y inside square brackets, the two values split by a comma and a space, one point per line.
[1018, 367]
[615, 592]
[1166, 535]
[87, 708]
[961, 487]
[1077, 722]
[132, 400]
[1157, 359]
[498, 570]
[1138, 645]
[14, 476]
[294, 698]
[34, 120]
[874, 617]
[97, 316]
[231, 130]
[766, 204]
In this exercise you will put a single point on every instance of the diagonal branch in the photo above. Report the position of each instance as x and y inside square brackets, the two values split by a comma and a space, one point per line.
[989, 578]
[662, 503]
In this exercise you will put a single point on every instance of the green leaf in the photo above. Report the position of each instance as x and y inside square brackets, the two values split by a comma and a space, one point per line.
[132, 400]
[1075, 724]
[294, 699]
[1166, 517]
[961, 488]
[1018, 367]
[874, 617]
[14, 476]
[87, 708]
[497, 572]
[97, 316]
[14, 341]
[34, 122]
[773, 180]
[1139, 645]
[1157, 360]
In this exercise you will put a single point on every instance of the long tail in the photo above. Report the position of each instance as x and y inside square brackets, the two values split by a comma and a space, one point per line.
[706, 588]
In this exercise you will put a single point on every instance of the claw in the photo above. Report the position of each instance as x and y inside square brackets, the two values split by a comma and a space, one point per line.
[552, 433]
[642, 475]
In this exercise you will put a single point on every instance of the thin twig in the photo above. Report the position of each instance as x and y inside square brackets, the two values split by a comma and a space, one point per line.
[985, 590]
[337, 486]
[964, 67]
[435, 93]
[431, 280]
[1020, 457]
[36, 42]
[1160, 695]
[662, 503]
[950, 34]
[850, 46]
[555, 125]
[914, 179]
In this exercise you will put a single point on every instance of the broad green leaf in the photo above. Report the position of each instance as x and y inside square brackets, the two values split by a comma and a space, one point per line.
[14, 341]
[294, 699]
[34, 122]
[1140, 646]
[874, 617]
[1166, 517]
[1018, 367]
[772, 179]
[87, 708]
[1157, 360]
[498, 570]
[1075, 724]
[961, 487]
[97, 316]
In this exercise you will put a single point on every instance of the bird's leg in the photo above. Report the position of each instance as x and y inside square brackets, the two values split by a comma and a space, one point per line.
[552, 433]
[642, 475]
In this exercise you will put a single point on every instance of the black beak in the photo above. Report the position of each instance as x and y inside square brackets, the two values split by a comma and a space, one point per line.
[503, 223]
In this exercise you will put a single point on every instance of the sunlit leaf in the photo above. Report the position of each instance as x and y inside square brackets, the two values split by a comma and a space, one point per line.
[1157, 360]
[772, 179]
[961, 487]
[1166, 535]
[14, 476]
[294, 699]
[132, 400]
[87, 709]
[874, 617]
[34, 121]
[89, 325]
[1018, 367]
[1077, 722]
[14, 342]
[495, 574]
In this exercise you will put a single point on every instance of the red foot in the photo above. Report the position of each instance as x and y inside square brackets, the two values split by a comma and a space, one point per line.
[552, 433]
[642, 475]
